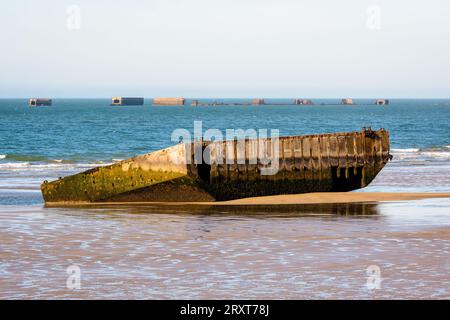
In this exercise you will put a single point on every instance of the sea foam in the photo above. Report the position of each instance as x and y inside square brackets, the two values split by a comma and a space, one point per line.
[437, 153]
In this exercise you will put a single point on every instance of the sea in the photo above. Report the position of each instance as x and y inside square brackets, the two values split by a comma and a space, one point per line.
[369, 250]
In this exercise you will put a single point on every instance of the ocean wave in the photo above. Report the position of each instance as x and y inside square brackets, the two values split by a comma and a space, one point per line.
[49, 166]
[37, 159]
[408, 150]
[24, 158]
[438, 153]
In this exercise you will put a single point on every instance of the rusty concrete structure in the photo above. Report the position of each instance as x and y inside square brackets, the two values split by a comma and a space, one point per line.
[38, 102]
[169, 101]
[232, 169]
[127, 101]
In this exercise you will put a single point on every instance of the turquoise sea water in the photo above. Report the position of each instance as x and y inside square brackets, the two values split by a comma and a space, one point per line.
[92, 130]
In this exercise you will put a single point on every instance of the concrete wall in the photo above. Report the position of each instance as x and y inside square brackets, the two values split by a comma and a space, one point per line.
[104, 182]
[168, 101]
[127, 101]
[39, 102]
[204, 171]
[326, 162]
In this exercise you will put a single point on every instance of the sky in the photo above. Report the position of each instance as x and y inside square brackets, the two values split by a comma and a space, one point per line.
[225, 48]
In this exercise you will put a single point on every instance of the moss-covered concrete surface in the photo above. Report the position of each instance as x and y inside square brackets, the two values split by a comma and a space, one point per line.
[314, 163]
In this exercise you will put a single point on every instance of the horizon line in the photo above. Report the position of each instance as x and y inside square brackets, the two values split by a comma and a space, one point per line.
[217, 97]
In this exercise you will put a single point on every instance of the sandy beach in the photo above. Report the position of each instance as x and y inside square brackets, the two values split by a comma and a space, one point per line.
[337, 197]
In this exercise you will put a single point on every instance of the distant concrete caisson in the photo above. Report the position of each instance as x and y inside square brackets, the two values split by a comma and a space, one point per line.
[127, 101]
[169, 101]
[311, 163]
[347, 101]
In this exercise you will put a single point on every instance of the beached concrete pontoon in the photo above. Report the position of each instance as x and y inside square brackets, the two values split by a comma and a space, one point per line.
[224, 170]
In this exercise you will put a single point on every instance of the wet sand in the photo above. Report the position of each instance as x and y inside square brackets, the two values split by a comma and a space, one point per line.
[290, 199]
[173, 252]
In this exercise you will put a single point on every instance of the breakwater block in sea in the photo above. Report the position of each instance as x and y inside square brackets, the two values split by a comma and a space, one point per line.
[232, 169]
[37, 102]
[169, 101]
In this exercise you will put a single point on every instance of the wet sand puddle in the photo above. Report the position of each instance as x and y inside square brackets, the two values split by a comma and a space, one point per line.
[302, 251]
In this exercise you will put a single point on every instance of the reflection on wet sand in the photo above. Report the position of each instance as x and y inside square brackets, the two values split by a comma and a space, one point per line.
[263, 211]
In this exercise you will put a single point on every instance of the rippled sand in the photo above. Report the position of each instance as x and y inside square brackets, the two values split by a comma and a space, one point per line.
[189, 252]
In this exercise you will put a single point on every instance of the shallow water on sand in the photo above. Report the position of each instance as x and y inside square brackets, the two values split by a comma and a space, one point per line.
[292, 252]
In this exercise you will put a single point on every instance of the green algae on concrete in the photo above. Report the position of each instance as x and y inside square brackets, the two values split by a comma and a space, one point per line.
[102, 183]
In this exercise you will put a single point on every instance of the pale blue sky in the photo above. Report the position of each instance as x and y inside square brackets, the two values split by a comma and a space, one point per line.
[226, 48]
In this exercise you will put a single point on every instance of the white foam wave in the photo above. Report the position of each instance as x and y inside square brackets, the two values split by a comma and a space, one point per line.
[408, 150]
[2, 156]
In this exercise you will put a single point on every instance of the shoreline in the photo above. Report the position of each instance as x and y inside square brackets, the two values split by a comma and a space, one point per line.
[280, 200]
